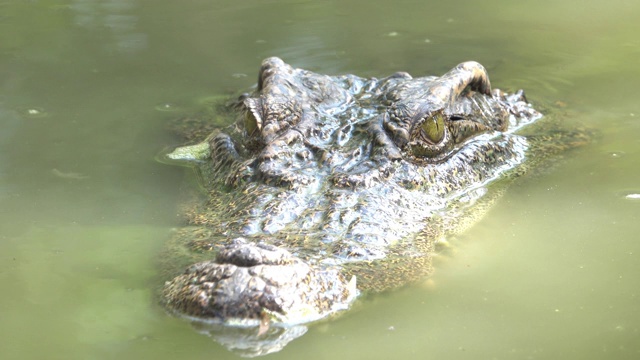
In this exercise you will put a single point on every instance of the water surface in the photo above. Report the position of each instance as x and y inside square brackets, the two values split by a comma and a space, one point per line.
[87, 88]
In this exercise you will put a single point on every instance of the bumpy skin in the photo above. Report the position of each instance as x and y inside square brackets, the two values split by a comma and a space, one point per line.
[249, 281]
[325, 179]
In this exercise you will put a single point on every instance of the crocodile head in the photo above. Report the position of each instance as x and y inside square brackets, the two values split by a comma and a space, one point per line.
[322, 182]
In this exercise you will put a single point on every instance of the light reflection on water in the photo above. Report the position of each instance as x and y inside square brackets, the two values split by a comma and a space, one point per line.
[549, 273]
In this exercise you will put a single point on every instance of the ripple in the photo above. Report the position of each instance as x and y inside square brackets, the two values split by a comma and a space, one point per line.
[35, 113]
[168, 107]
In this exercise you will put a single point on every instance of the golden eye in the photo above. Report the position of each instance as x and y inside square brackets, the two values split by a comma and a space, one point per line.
[251, 125]
[433, 128]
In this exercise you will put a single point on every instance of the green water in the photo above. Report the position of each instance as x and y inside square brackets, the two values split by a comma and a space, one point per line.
[85, 85]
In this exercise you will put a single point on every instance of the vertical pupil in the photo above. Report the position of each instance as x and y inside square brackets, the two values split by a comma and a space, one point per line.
[433, 128]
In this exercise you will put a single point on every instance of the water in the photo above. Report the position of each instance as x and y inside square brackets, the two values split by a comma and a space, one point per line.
[87, 88]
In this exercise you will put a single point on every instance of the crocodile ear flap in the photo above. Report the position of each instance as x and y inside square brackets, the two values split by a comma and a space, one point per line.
[253, 116]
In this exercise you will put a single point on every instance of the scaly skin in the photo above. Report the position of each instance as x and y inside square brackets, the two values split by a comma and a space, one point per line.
[322, 182]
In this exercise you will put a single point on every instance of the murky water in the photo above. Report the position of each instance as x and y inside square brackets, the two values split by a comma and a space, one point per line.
[87, 88]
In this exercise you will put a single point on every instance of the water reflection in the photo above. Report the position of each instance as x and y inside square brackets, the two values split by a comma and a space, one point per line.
[246, 342]
[114, 15]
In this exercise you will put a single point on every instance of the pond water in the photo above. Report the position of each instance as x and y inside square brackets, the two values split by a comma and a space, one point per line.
[87, 88]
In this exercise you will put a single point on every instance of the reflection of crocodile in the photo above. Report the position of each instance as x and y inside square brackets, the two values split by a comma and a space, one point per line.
[322, 180]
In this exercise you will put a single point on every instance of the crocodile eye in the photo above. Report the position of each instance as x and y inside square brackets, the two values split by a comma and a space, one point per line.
[431, 137]
[433, 128]
[251, 124]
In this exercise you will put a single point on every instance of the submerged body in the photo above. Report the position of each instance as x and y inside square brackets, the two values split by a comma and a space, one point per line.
[327, 186]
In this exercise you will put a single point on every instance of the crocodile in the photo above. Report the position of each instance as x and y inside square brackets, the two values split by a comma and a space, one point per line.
[326, 187]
